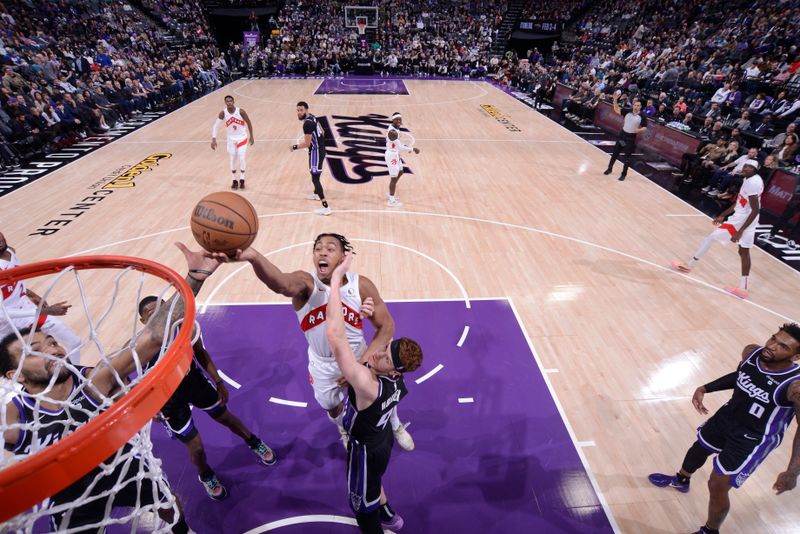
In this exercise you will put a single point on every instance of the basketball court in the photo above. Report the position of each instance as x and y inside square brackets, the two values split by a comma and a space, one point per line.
[561, 352]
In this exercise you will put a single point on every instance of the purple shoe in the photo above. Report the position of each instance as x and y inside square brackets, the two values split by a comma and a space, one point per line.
[394, 524]
[662, 481]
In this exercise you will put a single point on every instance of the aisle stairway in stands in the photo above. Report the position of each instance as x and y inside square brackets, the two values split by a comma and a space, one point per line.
[510, 20]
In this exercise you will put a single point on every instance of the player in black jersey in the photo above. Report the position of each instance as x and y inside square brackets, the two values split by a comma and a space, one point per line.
[373, 390]
[766, 395]
[196, 390]
[72, 400]
[314, 140]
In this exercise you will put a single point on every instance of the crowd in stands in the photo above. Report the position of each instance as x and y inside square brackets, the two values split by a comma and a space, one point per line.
[556, 10]
[75, 68]
[726, 71]
[412, 37]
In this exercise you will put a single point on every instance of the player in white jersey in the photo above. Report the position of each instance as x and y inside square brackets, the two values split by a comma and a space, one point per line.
[739, 227]
[394, 146]
[239, 137]
[22, 304]
[309, 292]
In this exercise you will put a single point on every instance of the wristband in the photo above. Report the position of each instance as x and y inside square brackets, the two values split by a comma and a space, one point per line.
[200, 271]
[294, 147]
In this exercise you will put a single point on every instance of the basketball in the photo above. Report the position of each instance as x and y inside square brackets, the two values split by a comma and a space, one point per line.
[224, 222]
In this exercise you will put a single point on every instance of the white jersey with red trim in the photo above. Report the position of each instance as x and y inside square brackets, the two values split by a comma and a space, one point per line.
[14, 295]
[750, 187]
[312, 318]
[237, 128]
[395, 146]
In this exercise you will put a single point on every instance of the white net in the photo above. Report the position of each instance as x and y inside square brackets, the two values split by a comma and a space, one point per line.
[53, 386]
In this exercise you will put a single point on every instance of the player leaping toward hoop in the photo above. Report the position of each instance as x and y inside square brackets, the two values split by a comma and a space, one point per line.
[235, 120]
[392, 157]
[310, 292]
[373, 392]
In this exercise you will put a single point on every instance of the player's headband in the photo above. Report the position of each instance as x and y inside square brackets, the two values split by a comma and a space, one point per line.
[396, 116]
[394, 348]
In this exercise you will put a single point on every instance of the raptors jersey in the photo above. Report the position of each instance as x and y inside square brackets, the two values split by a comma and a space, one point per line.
[14, 295]
[396, 145]
[759, 404]
[312, 318]
[237, 129]
[370, 426]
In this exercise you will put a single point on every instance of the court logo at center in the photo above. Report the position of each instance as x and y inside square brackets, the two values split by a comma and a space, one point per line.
[355, 154]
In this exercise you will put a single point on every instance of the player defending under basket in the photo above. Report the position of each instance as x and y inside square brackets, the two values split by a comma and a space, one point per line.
[56, 400]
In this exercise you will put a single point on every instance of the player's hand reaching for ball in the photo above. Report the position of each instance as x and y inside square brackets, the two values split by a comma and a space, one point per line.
[786, 482]
[201, 264]
[697, 400]
[247, 254]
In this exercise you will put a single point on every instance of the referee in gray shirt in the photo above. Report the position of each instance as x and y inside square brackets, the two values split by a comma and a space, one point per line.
[634, 123]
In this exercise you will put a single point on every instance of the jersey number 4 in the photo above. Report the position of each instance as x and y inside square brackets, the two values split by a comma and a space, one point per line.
[384, 419]
[757, 410]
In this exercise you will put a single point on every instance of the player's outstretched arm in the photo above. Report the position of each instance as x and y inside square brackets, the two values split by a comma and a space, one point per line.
[291, 285]
[360, 378]
[788, 479]
[104, 378]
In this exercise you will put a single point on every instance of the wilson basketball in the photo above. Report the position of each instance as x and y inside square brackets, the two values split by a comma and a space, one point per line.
[224, 222]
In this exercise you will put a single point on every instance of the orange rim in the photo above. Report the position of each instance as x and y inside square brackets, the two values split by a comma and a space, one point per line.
[30, 481]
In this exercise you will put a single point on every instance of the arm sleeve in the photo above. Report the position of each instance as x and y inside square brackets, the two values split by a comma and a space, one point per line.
[215, 127]
[722, 383]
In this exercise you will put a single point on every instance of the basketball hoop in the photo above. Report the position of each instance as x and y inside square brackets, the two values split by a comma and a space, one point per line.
[361, 24]
[26, 481]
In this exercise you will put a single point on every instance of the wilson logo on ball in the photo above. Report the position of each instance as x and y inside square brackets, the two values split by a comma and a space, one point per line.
[210, 215]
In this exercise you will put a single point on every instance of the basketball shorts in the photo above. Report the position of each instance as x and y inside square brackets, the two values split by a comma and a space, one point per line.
[238, 146]
[323, 375]
[365, 468]
[195, 390]
[128, 493]
[725, 231]
[739, 452]
[393, 163]
[316, 158]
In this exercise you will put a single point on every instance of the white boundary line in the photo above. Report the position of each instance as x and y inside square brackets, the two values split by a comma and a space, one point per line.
[486, 221]
[463, 336]
[429, 374]
[286, 302]
[296, 404]
[564, 419]
[792, 269]
[229, 380]
[301, 520]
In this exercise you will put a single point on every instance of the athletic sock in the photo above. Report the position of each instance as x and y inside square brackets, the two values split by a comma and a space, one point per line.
[706, 530]
[386, 512]
[207, 474]
[743, 283]
[691, 262]
[253, 441]
[682, 479]
[324, 203]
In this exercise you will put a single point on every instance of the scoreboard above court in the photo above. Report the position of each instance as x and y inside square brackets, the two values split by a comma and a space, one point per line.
[547, 27]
